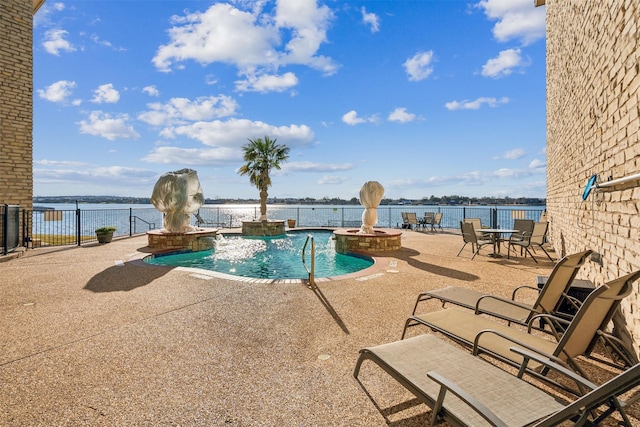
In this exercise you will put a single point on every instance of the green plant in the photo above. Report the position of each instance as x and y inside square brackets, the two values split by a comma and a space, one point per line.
[107, 229]
[262, 156]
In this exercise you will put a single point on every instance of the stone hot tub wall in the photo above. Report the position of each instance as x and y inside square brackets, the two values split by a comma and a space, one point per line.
[381, 241]
[199, 240]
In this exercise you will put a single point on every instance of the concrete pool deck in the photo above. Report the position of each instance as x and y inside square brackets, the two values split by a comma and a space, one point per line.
[90, 336]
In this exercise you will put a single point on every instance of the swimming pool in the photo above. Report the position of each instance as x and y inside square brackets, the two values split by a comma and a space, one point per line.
[278, 257]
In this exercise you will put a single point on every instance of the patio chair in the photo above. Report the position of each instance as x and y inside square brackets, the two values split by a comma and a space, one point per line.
[578, 338]
[428, 219]
[522, 237]
[477, 225]
[409, 220]
[539, 236]
[464, 390]
[469, 236]
[548, 301]
[433, 220]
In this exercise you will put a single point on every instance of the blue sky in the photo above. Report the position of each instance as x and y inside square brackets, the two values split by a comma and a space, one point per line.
[427, 97]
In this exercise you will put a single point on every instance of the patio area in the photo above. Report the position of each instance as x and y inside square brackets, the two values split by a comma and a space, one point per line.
[91, 337]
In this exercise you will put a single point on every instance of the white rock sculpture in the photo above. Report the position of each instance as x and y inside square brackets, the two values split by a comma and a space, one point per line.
[370, 196]
[178, 195]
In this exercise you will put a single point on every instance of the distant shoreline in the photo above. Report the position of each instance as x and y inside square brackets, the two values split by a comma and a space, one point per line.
[432, 201]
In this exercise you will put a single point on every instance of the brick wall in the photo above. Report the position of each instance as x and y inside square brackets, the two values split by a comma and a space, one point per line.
[16, 103]
[593, 120]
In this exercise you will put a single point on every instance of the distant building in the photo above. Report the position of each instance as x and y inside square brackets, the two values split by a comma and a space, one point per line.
[16, 103]
[593, 128]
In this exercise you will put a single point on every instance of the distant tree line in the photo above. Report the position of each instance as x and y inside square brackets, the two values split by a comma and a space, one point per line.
[433, 200]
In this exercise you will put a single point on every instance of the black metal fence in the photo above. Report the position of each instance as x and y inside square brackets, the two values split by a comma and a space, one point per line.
[351, 216]
[77, 226]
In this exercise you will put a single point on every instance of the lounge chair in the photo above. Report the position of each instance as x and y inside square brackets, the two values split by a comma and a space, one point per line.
[464, 390]
[469, 236]
[549, 297]
[495, 339]
[539, 236]
[522, 237]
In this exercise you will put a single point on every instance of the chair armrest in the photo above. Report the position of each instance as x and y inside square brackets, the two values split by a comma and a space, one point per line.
[516, 290]
[551, 320]
[446, 385]
[584, 385]
[504, 300]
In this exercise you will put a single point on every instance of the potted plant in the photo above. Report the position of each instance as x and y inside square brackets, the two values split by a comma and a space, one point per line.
[105, 234]
[291, 223]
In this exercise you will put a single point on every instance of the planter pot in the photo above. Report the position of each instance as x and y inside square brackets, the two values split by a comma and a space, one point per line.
[291, 223]
[104, 237]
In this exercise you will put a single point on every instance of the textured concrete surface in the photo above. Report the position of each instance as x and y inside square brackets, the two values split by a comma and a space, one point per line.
[91, 336]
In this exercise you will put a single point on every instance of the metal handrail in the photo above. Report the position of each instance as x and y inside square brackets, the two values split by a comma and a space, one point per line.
[134, 219]
[310, 272]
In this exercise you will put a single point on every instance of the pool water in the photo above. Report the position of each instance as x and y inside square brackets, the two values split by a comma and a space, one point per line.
[278, 257]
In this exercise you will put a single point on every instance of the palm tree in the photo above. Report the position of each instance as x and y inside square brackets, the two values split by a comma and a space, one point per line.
[261, 156]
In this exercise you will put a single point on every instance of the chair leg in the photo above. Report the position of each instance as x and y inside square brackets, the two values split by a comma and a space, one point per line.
[465, 244]
[546, 253]
[527, 250]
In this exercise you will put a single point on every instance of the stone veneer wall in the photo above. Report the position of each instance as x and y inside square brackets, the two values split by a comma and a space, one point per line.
[16, 103]
[593, 121]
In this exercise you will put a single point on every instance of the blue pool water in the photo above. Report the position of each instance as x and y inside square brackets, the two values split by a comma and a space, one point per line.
[277, 257]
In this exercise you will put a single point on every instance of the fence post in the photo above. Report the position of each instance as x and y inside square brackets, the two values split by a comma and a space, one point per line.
[298, 216]
[78, 224]
[494, 217]
[130, 222]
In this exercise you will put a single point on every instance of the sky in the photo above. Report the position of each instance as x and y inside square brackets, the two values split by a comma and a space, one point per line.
[427, 97]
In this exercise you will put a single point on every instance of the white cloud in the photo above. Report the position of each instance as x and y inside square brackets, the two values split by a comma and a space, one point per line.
[371, 19]
[92, 174]
[267, 83]
[536, 163]
[516, 153]
[42, 18]
[181, 110]
[105, 93]
[250, 40]
[235, 132]
[418, 67]
[476, 104]
[151, 90]
[194, 156]
[104, 125]
[401, 115]
[351, 118]
[316, 167]
[332, 180]
[58, 91]
[517, 19]
[503, 65]
[54, 42]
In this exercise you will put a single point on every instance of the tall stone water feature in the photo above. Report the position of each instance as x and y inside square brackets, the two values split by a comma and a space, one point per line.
[367, 239]
[178, 195]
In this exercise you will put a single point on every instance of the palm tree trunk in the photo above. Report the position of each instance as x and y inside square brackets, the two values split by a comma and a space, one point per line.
[263, 204]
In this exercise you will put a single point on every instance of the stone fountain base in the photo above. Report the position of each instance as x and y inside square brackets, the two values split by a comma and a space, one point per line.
[198, 240]
[382, 240]
[262, 228]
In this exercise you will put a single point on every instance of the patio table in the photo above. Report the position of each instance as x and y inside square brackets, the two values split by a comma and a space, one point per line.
[497, 232]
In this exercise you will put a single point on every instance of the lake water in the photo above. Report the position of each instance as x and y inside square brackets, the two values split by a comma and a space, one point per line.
[134, 219]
